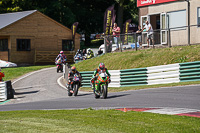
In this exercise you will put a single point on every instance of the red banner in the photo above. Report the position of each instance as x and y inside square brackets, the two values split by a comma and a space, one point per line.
[151, 2]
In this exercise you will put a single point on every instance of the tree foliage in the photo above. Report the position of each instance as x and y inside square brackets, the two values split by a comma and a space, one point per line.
[89, 14]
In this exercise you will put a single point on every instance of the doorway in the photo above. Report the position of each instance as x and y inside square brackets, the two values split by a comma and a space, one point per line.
[155, 22]
[4, 52]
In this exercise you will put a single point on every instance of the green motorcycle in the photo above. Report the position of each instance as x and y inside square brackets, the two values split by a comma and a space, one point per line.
[101, 85]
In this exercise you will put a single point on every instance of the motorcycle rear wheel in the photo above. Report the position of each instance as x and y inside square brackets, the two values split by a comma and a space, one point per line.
[69, 93]
[96, 96]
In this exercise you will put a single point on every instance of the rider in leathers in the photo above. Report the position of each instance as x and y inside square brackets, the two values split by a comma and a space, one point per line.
[101, 68]
[71, 75]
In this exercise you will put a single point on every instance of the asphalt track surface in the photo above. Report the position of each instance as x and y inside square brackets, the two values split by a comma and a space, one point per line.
[40, 91]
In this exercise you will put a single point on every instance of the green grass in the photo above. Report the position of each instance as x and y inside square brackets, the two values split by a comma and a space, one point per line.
[90, 121]
[15, 72]
[143, 58]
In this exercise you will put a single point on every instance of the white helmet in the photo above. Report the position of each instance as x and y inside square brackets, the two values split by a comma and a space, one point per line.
[61, 52]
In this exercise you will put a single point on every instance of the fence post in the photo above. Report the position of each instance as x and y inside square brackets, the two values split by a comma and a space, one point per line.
[169, 38]
[135, 41]
[105, 46]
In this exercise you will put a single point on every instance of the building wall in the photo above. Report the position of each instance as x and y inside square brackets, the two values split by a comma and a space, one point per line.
[180, 37]
[45, 35]
[194, 30]
[142, 12]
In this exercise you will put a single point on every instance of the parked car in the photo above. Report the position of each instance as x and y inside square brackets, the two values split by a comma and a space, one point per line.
[7, 64]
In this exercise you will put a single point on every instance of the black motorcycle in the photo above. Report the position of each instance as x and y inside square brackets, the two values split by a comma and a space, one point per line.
[74, 86]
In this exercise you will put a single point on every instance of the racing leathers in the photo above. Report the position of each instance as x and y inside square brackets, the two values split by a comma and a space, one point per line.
[94, 77]
[62, 57]
[71, 76]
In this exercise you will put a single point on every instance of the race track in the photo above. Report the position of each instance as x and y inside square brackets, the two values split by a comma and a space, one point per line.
[40, 91]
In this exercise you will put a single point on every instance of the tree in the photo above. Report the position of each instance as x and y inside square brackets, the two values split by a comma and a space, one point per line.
[89, 14]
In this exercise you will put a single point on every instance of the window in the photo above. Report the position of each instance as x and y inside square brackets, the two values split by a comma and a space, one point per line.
[23, 45]
[176, 19]
[3, 44]
[67, 45]
[198, 16]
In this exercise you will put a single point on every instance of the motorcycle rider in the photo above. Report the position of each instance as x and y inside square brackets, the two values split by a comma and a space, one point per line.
[62, 57]
[71, 74]
[98, 70]
[78, 55]
[90, 54]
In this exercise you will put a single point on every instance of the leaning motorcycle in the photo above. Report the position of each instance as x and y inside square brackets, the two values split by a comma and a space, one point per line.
[101, 85]
[74, 86]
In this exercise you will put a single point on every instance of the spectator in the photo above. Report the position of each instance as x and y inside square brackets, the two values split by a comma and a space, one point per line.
[149, 30]
[84, 54]
[139, 35]
[116, 33]
[1, 75]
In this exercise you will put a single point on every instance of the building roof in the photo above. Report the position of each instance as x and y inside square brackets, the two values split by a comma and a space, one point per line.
[9, 18]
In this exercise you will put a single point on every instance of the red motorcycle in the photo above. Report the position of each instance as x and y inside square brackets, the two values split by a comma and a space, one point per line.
[59, 65]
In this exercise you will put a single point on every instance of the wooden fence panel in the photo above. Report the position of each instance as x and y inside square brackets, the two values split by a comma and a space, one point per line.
[50, 56]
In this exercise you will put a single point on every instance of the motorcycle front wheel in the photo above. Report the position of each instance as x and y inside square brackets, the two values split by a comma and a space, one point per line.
[75, 89]
[104, 91]
[69, 93]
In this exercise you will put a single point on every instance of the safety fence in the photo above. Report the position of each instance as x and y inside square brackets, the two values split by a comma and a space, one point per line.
[164, 74]
[3, 91]
[6, 91]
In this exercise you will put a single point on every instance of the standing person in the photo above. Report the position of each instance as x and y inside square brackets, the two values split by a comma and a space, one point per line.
[139, 35]
[149, 30]
[1, 75]
[116, 33]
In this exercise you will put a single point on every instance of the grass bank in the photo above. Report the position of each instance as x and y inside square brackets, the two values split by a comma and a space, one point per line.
[15, 72]
[90, 121]
[143, 58]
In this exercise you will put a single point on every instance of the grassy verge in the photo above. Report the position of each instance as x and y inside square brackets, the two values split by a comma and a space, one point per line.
[15, 72]
[118, 89]
[143, 58]
[90, 121]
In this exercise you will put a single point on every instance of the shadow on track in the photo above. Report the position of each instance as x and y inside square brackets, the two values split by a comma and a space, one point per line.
[84, 94]
[115, 96]
[29, 92]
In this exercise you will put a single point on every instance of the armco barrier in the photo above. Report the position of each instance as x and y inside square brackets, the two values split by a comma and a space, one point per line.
[133, 77]
[3, 91]
[164, 74]
[190, 71]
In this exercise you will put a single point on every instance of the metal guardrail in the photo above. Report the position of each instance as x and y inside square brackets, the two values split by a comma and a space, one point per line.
[6, 91]
[190, 71]
[164, 74]
[3, 91]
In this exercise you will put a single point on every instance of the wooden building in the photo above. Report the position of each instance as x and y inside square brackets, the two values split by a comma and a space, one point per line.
[30, 37]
